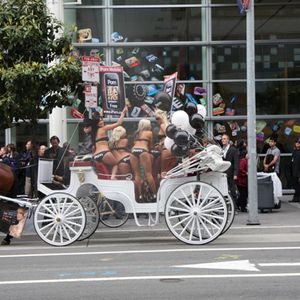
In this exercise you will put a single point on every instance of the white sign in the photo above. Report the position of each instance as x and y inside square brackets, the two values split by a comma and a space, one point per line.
[90, 69]
[90, 96]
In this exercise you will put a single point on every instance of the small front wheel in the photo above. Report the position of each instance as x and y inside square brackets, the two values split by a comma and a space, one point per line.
[196, 213]
[59, 219]
[112, 213]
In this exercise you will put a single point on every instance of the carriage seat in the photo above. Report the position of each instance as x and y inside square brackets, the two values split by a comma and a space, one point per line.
[100, 168]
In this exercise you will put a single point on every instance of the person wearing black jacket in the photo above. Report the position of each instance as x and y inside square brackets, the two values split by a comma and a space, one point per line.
[231, 154]
[56, 153]
[296, 171]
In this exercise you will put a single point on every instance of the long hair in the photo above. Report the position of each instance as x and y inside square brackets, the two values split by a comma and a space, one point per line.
[117, 134]
[144, 124]
[162, 115]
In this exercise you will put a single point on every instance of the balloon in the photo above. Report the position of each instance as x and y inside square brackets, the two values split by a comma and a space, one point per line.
[179, 150]
[191, 108]
[171, 130]
[163, 101]
[201, 110]
[191, 130]
[168, 143]
[181, 119]
[181, 137]
[196, 121]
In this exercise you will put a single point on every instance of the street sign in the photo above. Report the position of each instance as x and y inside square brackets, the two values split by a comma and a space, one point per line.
[90, 69]
[90, 92]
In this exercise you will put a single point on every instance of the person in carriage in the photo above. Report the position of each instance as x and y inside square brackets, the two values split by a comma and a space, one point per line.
[102, 151]
[119, 148]
[141, 154]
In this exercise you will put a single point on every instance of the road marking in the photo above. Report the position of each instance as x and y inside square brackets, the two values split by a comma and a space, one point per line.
[241, 265]
[162, 277]
[279, 264]
[145, 251]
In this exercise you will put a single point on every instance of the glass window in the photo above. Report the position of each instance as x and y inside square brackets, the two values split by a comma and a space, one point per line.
[277, 97]
[159, 24]
[277, 22]
[277, 61]
[153, 62]
[151, 2]
[228, 24]
[229, 62]
[24, 132]
[89, 23]
[229, 99]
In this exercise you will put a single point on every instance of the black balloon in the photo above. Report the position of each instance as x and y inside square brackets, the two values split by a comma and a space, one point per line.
[191, 108]
[163, 101]
[171, 130]
[197, 121]
[179, 150]
[181, 138]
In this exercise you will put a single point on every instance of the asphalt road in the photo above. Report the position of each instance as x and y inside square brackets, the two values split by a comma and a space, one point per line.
[248, 262]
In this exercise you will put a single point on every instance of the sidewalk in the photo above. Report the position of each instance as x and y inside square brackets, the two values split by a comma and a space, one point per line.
[287, 215]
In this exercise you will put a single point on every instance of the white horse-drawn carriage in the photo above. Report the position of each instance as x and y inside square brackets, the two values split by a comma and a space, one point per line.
[193, 197]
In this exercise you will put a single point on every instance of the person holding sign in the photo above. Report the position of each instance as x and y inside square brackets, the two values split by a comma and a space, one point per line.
[102, 151]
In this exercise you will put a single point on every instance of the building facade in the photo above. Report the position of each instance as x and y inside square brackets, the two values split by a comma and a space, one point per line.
[204, 41]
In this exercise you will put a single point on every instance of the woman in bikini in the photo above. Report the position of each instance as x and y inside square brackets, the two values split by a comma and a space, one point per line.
[168, 161]
[102, 150]
[119, 148]
[140, 153]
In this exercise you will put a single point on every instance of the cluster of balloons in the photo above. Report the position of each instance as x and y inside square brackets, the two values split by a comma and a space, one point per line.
[184, 124]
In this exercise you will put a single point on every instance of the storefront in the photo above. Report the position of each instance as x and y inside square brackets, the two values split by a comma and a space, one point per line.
[205, 43]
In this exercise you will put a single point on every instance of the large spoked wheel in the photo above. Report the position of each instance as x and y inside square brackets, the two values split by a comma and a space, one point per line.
[196, 213]
[92, 217]
[112, 213]
[231, 213]
[59, 219]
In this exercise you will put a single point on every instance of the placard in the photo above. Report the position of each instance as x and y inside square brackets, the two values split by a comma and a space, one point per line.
[90, 92]
[90, 68]
[112, 90]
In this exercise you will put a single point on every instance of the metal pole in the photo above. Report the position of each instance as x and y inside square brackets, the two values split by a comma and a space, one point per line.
[251, 119]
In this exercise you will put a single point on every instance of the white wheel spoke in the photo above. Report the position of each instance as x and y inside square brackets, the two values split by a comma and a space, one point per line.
[72, 212]
[192, 229]
[46, 226]
[71, 228]
[210, 222]
[205, 227]
[185, 227]
[193, 196]
[213, 216]
[218, 208]
[61, 234]
[179, 216]
[186, 198]
[199, 196]
[46, 235]
[53, 206]
[179, 209]
[73, 223]
[182, 203]
[199, 229]
[49, 210]
[74, 218]
[49, 216]
[182, 221]
[68, 208]
[55, 233]
[211, 203]
[66, 231]
[206, 197]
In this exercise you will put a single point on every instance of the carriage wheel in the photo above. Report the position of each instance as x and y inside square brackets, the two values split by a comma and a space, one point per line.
[112, 213]
[59, 219]
[231, 213]
[92, 217]
[196, 213]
